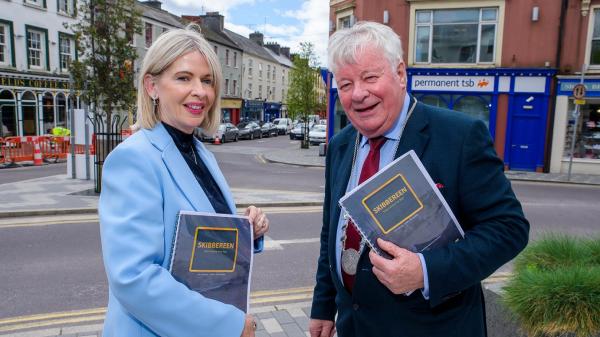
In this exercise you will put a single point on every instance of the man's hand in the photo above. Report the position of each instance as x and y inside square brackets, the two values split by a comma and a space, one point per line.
[321, 328]
[249, 327]
[401, 274]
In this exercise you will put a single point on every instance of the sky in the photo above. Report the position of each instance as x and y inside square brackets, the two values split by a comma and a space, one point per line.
[287, 22]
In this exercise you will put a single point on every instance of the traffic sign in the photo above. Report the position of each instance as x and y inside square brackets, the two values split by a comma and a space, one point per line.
[579, 91]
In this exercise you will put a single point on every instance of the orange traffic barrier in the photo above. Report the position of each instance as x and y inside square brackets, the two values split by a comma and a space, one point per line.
[18, 149]
[2, 157]
[37, 155]
[217, 140]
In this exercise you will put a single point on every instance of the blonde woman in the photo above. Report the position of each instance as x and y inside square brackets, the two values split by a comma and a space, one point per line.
[148, 179]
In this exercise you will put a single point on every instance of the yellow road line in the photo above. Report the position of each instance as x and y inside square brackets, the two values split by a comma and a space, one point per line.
[15, 327]
[97, 314]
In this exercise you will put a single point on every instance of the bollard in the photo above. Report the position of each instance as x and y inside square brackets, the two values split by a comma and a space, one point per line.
[322, 149]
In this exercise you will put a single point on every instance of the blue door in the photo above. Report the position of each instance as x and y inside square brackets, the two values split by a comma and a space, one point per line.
[527, 132]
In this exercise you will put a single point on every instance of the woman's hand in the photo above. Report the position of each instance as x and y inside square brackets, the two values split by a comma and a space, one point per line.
[249, 327]
[259, 221]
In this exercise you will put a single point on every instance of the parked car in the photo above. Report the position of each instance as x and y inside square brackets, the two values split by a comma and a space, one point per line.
[249, 130]
[318, 134]
[284, 125]
[298, 131]
[269, 129]
[226, 132]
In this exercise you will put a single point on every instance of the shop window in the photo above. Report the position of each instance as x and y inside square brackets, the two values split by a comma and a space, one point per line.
[37, 45]
[48, 112]
[587, 143]
[474, 106]
[29, 110]
[5, 44]
[8, 114]
[61, 110]
[435, 100]
[466, 36]
[66, 51]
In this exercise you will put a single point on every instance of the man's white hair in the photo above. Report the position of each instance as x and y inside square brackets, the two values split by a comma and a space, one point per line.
[345, 44]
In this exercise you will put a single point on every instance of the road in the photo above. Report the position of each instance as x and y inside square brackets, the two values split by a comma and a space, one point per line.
[53, 264]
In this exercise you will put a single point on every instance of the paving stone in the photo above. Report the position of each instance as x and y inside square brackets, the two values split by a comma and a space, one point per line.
[292, 330]
[302, 322]
[271, 325]
[283, 317]
[262, 315]
[306, 311]
[296, 312]
[278, 334]
[261, 334]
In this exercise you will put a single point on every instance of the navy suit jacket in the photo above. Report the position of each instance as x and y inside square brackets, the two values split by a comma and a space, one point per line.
[458, 153]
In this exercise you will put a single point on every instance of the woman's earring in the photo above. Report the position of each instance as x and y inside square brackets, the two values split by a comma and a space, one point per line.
[155, 104]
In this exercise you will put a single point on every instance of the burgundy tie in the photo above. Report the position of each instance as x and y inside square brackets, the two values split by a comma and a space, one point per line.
[369, 168]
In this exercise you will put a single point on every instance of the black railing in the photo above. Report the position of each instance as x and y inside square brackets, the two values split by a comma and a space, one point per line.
[107, 137]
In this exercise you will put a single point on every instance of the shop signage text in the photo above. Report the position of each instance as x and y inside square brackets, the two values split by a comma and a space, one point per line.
[32, 83]
[453, 83]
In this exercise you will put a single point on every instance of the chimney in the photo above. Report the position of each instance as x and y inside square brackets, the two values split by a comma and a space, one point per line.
[192, 18]
[258, 38]
[286, 52]
[213, 20]
[274, 46]
[153, 3]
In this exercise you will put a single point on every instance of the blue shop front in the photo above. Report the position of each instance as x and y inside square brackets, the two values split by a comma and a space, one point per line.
[272, 111]
[252, 109]
[513, 103]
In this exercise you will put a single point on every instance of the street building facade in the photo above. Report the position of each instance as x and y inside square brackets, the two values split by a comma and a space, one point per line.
[507, 63]
[35, 52]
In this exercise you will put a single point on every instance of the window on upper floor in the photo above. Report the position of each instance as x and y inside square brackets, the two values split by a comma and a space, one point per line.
[66, 45]
[466, 35]
[36, 48]
[268, 95]
[38, 3]
[148, 34]
[268, 72]
[594, 39]
[259, 70]
[259, 91]
[345, 21]
[65, 7]
[249, 90]
[234, 88]
[235, 64]
[274, 71]
[250, 65]
[226, 91]
[226, 57]
[5, 44]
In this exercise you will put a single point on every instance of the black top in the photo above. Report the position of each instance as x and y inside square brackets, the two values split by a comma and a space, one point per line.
[185, 143]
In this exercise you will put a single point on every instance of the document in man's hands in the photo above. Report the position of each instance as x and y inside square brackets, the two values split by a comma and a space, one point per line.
[401, 204]
[212, 254]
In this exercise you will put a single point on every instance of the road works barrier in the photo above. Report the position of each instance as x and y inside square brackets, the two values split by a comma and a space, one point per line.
[14, 150]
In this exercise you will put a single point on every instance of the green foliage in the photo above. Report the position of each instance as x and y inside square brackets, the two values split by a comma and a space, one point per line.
[302, 95]
[556, 287]
[104, 71]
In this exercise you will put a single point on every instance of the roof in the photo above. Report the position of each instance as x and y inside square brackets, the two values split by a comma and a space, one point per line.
[218, 37]
[159, 15]
[281, 58]
[249, 46]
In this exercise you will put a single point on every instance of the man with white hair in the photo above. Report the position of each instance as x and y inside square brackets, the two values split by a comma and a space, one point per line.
[436, 292]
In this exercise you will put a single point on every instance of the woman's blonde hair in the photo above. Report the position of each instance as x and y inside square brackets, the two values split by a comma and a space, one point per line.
[163, 52]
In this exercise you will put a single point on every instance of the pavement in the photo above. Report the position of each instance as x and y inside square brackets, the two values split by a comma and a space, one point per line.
[60, 195]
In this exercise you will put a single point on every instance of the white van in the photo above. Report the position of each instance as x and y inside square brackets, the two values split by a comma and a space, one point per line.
[284, 125]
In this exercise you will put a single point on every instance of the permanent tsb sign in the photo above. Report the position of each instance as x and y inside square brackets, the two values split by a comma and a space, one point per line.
[453, 83]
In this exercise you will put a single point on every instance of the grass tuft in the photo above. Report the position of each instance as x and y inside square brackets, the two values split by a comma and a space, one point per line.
[555, 289]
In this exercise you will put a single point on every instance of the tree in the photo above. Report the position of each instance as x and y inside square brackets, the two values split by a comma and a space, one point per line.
[104, 71]
[302, 97]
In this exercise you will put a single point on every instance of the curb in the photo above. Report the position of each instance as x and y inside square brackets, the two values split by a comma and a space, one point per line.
[92, 210]
[553, 181]
[265, 158]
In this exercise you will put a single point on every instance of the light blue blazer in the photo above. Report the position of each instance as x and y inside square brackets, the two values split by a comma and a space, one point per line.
[145, 183]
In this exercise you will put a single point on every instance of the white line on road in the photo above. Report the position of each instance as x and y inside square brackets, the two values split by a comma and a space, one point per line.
[271, 244]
